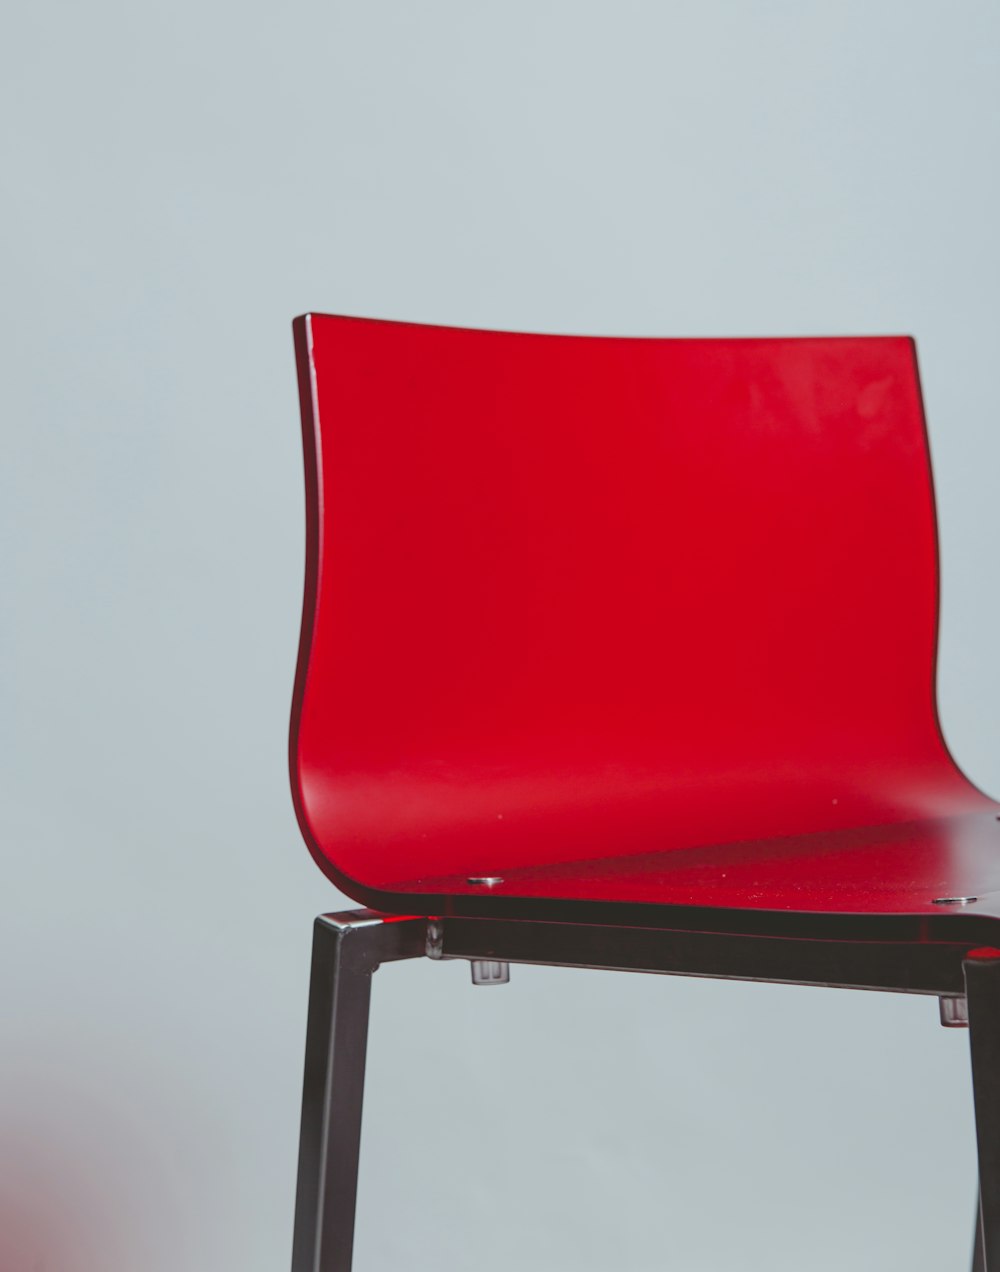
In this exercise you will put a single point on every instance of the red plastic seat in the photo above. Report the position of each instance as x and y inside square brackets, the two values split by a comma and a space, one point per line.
[620, 653]
[624, 620]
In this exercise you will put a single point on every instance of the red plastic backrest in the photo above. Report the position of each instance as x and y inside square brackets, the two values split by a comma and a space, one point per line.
[571, 597]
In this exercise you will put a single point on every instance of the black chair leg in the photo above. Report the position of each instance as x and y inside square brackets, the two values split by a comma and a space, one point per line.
[347, 948]
[978, 1257]
[982, 985]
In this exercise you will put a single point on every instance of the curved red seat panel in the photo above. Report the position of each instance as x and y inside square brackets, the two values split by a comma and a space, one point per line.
[624, 620]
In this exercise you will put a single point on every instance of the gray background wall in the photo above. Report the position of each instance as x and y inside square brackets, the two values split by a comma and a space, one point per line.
[180, 180]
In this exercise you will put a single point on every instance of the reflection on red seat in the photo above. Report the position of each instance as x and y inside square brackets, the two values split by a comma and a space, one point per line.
[624, 620]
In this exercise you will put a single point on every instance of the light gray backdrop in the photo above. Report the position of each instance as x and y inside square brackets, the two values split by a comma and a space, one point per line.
[180, 179]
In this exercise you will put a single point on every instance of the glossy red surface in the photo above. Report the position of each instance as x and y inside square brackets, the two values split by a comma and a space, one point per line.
[624, 620]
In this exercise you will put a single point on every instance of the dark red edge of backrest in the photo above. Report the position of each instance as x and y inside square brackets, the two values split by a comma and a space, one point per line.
[436, 904]
[303, 362]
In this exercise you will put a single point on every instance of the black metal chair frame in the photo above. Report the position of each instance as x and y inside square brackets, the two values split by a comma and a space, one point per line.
[901, 955]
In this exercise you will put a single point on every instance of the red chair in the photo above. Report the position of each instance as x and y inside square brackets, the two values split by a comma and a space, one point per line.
[620, 653]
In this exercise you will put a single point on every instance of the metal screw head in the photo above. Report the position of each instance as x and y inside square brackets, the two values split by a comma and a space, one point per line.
[435, 939]
[954, 900]
[484, 881]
